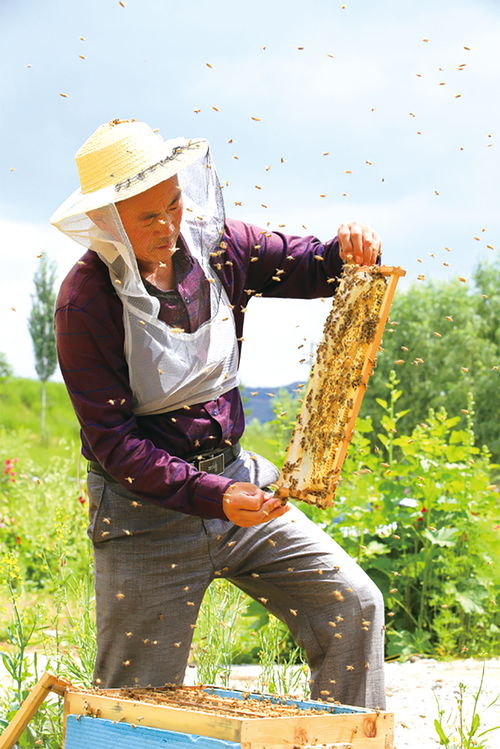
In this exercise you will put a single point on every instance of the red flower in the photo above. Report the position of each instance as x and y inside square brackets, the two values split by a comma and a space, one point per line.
[424, 509]
[82, 500]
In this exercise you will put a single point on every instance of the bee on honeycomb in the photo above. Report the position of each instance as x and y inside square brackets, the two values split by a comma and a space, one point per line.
[344, 362]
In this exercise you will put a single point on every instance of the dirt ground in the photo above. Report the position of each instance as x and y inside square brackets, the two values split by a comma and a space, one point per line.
[412, 689]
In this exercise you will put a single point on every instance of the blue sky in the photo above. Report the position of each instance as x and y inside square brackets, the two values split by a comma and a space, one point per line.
[366, 87]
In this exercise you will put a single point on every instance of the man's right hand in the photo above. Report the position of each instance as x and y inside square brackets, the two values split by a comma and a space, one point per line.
[246, 505]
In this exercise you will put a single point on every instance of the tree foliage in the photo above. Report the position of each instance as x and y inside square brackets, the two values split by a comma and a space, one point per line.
[41, 328]
[41, 319]
[5, 368]
[455, 332]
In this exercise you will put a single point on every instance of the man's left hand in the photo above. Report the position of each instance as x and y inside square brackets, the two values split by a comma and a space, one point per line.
[358, 244]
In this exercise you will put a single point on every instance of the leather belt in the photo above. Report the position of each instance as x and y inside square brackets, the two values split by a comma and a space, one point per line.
[212, 462]
[216, 461]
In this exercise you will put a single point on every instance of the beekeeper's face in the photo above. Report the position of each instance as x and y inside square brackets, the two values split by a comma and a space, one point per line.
[152, 221]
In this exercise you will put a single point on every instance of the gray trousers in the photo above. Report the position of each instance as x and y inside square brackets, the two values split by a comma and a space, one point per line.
[153, 566]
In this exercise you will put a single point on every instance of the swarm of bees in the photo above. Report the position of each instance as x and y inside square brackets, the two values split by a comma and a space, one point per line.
[344, 362]
[197, 698]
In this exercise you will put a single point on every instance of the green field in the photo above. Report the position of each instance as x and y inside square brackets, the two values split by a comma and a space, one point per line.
[417, 508]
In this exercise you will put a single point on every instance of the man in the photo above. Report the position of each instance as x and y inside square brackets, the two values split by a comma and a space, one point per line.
[149, 325]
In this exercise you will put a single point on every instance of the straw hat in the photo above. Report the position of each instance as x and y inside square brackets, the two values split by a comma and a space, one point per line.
[124, 158]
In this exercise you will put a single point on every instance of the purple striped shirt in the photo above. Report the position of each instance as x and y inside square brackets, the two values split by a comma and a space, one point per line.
[144, 453]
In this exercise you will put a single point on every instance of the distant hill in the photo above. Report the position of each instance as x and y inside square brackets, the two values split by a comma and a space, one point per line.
[258, 403]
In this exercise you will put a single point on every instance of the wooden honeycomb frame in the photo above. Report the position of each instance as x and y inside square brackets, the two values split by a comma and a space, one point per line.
[344, 363]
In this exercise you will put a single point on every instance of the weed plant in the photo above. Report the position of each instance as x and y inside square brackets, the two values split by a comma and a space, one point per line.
[283, 670]
[22, 668]
[215, 646]
[460, 730]
[420, 515]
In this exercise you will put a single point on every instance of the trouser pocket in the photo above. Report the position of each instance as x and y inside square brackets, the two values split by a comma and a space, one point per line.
[95, 486]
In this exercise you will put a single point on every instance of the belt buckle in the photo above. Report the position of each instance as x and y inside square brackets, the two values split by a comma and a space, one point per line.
[215, 464]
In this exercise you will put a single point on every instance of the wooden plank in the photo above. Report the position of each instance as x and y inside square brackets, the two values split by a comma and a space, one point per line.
[154, 716]
[342, 745]
[363, 731]
[359, 744]
[390, 270]
[98, 733]
[37, 695]
[356, 744]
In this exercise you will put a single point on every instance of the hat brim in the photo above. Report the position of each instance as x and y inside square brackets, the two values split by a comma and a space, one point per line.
[187, 152]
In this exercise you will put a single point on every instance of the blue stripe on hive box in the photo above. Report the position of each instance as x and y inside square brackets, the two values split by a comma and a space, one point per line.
[277, 699]
[98, 733]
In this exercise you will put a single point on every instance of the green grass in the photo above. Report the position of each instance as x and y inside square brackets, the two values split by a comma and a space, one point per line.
[20, 413]
[20, 407]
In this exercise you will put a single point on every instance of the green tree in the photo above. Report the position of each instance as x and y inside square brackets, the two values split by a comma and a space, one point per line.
[41, 328]
[487, 281]
[444, 341]
[5, 368]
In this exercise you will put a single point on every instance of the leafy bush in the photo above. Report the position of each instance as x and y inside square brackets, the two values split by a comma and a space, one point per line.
[418, 515]
[453, 329]
[42, 513]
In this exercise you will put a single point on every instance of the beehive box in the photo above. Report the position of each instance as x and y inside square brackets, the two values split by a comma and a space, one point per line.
[216, 718]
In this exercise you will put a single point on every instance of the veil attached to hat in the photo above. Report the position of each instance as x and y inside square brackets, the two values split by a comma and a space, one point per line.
[168, 367]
